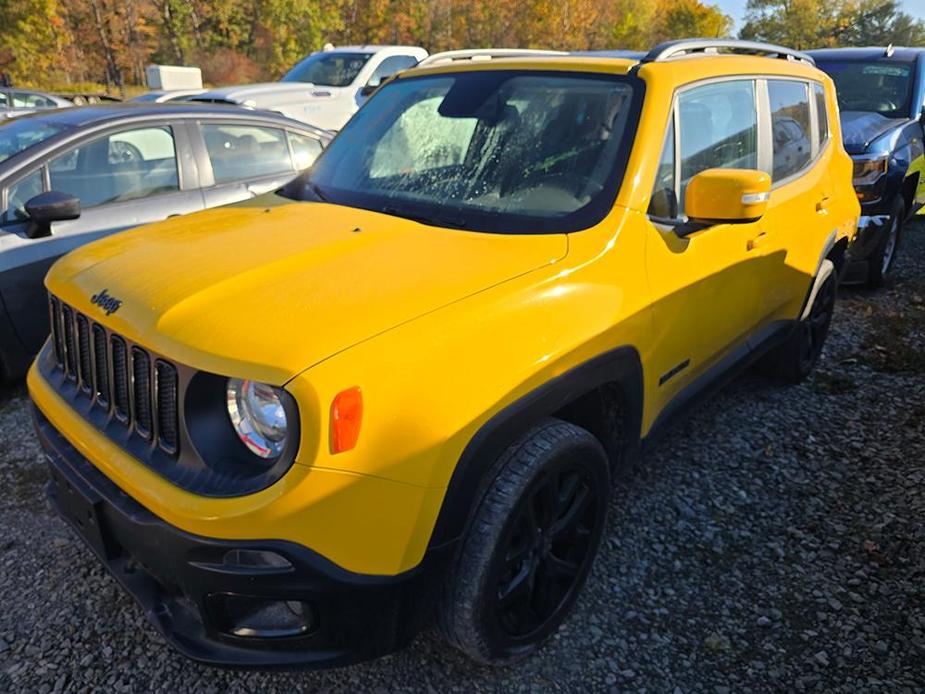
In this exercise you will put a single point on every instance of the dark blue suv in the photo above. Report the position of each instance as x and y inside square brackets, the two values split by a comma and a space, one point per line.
[881, 95]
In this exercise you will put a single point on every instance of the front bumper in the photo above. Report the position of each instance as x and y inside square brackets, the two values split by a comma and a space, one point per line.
[871, 229]
[183, 581]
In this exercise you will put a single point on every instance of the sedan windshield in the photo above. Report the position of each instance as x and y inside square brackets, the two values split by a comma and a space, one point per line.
[878, 86]
[499, 151]
[19, 134]
[328, 69]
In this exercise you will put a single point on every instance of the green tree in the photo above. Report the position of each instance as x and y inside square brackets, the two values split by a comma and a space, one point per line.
[798, 24]
[879, 23]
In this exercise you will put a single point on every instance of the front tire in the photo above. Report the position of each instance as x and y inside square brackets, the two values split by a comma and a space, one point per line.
[529, 548]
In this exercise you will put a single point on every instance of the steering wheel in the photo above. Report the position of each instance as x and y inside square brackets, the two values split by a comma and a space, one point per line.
[121, 152]
[568, 181]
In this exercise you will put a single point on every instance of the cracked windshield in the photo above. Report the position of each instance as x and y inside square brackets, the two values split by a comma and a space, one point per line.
[487, 150]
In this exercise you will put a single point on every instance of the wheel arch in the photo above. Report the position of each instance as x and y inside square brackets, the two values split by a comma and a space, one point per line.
[596, 395]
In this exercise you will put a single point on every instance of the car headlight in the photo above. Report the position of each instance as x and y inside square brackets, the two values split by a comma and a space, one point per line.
[258, 416]
[868, 169]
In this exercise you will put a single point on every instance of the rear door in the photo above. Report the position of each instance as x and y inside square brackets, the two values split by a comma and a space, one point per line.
[124, 178]
[797, 222]
[242, 160]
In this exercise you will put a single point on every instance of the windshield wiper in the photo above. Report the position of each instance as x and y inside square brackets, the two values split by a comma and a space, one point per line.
[316, 191]
[430, 220]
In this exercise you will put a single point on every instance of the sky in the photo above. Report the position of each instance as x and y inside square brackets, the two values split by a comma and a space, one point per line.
[736, 8]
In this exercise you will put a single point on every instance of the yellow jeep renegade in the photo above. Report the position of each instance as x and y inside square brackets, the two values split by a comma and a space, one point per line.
[296, 427]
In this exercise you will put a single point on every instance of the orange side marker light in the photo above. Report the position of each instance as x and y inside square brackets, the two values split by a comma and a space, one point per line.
[346, 418]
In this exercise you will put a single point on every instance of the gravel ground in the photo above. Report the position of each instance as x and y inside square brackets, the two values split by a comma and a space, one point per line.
[776, 540]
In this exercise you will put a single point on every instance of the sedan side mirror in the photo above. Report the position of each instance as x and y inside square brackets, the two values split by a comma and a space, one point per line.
[727, 196]
[49, 207]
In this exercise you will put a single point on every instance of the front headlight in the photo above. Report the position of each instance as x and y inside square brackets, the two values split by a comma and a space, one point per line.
[258, 416]
[868, 170]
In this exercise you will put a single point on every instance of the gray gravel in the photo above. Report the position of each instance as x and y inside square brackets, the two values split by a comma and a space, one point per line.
[775, 540]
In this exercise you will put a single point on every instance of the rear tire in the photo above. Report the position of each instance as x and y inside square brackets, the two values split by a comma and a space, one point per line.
[795, 359]
[530, 545]
[883, 258]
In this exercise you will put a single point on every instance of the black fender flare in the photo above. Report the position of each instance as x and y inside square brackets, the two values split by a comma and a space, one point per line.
[468, 481]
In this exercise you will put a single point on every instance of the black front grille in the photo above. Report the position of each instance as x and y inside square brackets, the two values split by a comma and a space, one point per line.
[120, 403]
[121, 380]
[84, 356]
[141, 391]
[168, 425]
[70, 344]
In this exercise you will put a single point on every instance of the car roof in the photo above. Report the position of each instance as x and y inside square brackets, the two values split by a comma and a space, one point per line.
[367, 48]
[899, 54]
[99, 114]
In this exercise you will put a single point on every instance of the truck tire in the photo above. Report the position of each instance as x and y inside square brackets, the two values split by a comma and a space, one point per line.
[530, 545]
[883, 258]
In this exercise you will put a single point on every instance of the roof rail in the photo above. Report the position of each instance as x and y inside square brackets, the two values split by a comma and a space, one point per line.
[479, 54]
[673, 49]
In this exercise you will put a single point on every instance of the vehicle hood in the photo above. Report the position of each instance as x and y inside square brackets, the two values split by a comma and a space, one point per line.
[246, 92]
[269, 288]
[860, 128]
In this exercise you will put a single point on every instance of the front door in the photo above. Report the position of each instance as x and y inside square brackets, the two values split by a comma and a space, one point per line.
[706, 295]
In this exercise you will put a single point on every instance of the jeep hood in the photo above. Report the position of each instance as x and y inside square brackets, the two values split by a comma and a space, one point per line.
[271, 287]
[861, 128]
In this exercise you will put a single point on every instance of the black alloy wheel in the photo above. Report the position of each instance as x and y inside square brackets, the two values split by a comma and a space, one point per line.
[546, 549]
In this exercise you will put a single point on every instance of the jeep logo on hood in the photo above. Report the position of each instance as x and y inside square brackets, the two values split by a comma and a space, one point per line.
[110, 304]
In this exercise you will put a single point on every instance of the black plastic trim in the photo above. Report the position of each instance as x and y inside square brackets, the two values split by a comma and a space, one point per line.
[172, 574]
[621, 365]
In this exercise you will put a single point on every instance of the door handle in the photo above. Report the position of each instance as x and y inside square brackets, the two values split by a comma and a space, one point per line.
[757, 242]
[824, 204]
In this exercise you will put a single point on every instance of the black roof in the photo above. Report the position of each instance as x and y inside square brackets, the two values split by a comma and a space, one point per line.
[899, 54]
[99, 114]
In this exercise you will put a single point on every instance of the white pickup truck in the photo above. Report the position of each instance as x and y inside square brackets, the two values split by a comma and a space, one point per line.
[327, 87]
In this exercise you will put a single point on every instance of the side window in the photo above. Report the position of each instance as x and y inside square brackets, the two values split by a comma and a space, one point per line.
[790, 126]
[395, 155]
[821, 113]
[20, 193]
[718, 125]
[241, 152]
[4, 101]
[123, 166]
[29, 100]
[305, 150]
[390, 66]
[664, 202]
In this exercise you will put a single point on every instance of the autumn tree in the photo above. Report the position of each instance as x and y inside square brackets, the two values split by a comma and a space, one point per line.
[31, 32]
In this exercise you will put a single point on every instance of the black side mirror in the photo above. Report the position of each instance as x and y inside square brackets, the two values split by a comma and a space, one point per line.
[370, 86]
[49, 207]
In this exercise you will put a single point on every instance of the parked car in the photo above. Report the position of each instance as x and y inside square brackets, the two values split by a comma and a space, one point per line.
[162, 96]
[16, 102]
[327, 87]
[881, 92]
[401, 385]
[115, 167]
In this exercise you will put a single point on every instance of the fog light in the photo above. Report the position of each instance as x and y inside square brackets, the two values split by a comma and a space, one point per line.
[262, 618]
[255, 559]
